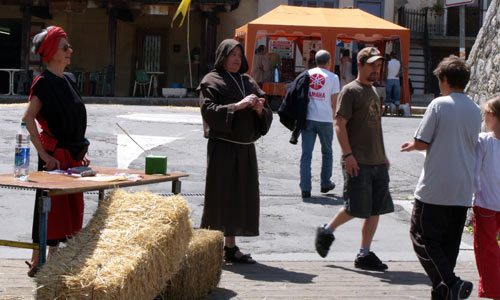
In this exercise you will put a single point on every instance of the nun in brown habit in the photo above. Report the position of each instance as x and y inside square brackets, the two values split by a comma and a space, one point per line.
[235, 115]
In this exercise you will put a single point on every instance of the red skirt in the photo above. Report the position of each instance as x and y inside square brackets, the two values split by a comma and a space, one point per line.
[65, 218]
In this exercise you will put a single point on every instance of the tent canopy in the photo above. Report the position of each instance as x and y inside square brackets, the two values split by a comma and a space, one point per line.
[330, 24]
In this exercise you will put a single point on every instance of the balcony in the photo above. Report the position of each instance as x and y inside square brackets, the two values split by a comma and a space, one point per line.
[441, 24]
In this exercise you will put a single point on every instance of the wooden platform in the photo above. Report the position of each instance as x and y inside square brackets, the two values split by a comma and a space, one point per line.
[288, 280]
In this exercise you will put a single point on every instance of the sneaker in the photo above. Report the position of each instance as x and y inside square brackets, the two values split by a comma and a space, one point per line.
[460, 290]
[386, 110]
[328, 188]
[323, 241]
[369, 262]
[306, 194]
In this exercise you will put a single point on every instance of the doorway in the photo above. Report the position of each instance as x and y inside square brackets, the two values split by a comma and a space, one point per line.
[10, 57]
[151, 56]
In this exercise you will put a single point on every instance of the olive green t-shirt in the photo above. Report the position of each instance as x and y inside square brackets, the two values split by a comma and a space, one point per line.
[359, 104]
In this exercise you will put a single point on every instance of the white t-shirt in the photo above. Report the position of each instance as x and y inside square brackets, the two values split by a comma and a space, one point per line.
[451, 127]
[393, 67]
[487, 179]
[322, 85]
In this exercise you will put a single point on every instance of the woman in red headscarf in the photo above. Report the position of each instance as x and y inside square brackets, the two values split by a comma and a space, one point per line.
[57, 107]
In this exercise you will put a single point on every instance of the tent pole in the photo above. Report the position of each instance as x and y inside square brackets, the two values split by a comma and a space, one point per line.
[189, 53]
[404, 40]
[250, 45]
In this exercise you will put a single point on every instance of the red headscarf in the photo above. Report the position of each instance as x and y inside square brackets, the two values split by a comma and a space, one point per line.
[51, 43]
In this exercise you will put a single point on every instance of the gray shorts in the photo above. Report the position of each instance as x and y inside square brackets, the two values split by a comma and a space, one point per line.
[367, 194]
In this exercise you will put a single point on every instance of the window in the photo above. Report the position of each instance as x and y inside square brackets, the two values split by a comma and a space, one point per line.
[315, 3]
[374, 7]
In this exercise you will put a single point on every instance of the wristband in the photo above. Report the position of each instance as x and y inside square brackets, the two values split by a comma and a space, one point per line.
[347, 155]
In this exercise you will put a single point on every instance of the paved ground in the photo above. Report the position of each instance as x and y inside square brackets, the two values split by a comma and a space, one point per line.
[289, 267]
[288, 280]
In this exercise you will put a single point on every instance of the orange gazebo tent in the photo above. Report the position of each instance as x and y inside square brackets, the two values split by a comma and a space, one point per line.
[330, 24]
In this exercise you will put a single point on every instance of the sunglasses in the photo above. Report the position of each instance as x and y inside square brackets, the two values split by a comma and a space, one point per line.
[66, 47]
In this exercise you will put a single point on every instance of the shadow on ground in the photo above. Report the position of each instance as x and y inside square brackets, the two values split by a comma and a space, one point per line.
[327, 199]
[391, 277]
[221, 294]
[263, 272]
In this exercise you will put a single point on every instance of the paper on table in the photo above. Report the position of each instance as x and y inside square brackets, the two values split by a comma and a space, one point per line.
[56, 172]
[111, 178]
[103, 178]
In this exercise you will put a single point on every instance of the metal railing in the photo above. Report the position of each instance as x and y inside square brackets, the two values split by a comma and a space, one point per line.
[440, 23]
[414, 19]
[426, 24]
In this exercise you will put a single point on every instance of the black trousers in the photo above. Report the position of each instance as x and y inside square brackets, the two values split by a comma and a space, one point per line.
[436, 233]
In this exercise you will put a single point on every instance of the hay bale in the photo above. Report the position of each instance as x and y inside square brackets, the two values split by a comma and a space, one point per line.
[130, 249]
[201, 269]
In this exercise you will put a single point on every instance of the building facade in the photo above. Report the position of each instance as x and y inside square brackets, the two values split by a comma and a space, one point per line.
[435, 35]
[113, 39]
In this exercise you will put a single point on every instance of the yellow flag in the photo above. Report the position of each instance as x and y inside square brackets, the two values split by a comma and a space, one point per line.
[183, 7]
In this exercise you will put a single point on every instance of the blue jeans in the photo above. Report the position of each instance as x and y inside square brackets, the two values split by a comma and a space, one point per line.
[391, 86]
[325, 132]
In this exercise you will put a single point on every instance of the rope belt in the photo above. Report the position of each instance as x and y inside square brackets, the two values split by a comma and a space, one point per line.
[235, 142]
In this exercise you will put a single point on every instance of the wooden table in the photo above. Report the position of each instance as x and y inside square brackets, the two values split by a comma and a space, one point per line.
[11, 79]
[272, 88]
[59, 184]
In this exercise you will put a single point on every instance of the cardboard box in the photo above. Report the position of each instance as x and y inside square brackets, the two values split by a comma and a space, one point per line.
[156, 165]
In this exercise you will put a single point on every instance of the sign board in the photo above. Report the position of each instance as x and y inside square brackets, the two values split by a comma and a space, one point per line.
[449, 3]
[283, 47]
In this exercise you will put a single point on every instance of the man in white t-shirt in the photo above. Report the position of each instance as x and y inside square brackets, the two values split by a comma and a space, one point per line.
[392, 83]
[323, 92]
[448, 132]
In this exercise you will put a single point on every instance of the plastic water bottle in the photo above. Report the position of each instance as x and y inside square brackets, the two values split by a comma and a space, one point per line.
[276, 75]
[22, 155]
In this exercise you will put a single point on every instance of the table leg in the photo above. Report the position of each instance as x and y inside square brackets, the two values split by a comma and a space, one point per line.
[155, 85]
[100, 198]
[11, 83]
[43, 211]
[87, 84]
[176, 187]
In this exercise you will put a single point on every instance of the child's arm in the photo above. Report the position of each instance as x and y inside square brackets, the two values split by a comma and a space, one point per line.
[478, 167]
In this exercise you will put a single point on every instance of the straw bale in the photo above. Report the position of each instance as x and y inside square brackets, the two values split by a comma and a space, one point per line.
[131, 247]
[201, 268]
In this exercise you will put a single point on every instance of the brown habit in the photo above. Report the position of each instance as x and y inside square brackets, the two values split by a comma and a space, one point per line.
[232, 200]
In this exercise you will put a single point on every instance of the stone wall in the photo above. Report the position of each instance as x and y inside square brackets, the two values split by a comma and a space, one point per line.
[484, 58]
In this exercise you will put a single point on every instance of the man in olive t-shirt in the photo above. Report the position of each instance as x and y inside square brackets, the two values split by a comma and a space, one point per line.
[359, 105]
[364, 162]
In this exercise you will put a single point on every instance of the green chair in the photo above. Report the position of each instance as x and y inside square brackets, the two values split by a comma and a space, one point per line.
[98, 82]
[80, 78]
[142, 79]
